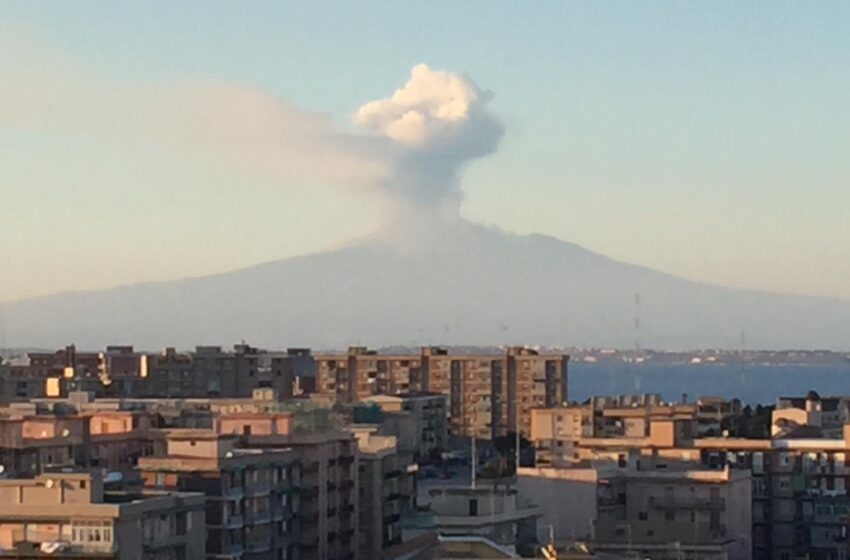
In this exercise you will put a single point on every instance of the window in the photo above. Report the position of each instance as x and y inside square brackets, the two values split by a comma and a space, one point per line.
[473, 507]
[643, 516]
[82, 484]
[88, 532]
[670, 515]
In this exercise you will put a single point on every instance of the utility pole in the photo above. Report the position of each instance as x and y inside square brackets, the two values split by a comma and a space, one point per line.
[637, 325]
[516, 428]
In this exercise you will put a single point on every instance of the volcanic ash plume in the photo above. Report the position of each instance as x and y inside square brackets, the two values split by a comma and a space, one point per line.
[410, 149]
[437, 121]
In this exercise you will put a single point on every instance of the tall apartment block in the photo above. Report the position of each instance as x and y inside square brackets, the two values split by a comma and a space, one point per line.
[68, 515]
[328, 491]
[251, 493]
[489, 395]
[387, 491]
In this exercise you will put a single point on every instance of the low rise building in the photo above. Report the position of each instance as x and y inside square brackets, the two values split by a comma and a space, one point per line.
[500, 514]
[30, 444]
[699, 514]
[68, 515]
[643, 512]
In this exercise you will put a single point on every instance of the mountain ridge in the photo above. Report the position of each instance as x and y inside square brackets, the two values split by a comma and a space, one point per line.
[462, 284]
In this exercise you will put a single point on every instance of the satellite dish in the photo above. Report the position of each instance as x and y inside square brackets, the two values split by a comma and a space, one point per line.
[49, 483]
[2, 469]
[229, 455]
[66, 432]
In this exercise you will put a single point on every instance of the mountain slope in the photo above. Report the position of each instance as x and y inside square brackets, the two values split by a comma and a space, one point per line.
[460, 285]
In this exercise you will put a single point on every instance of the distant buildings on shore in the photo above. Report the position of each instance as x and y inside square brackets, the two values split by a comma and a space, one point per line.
[488, 394]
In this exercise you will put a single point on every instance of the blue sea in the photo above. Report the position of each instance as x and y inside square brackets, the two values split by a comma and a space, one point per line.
[753, 384]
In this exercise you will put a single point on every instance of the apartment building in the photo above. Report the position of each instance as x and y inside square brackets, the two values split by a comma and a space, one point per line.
[387, 491]
[211, 371]
[714, 415]
[117, 439]
[813, 414]
[799, 483]
[557, 433]
[35, 436]
[429, 414]
[555, 430]
[362, 373]
[328, 508]
[675, 514]
[43, 374]
[68, 515]
[644, 512]
[30, 444]
[489, 394]
[500, 514]
[251, 494]
[120, 371]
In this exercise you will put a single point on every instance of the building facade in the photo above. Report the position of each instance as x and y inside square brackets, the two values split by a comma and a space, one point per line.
[488, 395]
[252, 503]
[68, 515]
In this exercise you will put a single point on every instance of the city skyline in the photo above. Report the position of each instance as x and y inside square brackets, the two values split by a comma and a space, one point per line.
[606, 122]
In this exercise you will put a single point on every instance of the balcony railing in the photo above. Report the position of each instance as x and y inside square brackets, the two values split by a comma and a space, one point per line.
[688, 503]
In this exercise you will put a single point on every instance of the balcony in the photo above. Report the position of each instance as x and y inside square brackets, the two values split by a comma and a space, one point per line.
[607, 502]
[164, 542]
[259, 518]
[233, 549]
[392, 474]
[25, 549]
[258, 546]
[713, 504]
[234, 521]
[310, 491]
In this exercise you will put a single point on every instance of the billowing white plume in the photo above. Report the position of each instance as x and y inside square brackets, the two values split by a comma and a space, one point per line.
[440, 121]
[431, 105]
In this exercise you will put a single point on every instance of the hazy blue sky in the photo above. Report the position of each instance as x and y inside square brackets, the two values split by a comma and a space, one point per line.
[707, 139]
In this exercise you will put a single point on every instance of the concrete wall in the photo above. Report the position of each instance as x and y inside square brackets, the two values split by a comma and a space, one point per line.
[567, 498]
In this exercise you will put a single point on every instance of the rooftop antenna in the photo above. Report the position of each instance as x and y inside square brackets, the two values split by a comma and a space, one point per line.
[2, 327]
